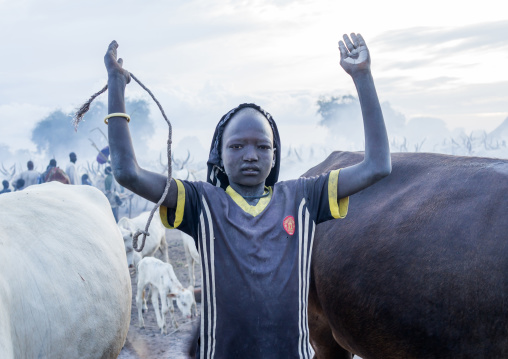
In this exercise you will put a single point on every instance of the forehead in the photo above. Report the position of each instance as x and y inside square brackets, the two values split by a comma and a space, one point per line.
[248, 122]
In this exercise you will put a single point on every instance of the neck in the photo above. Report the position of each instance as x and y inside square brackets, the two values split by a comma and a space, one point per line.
[249, 192]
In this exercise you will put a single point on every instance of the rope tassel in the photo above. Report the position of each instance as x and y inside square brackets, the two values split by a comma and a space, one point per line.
[78, 117]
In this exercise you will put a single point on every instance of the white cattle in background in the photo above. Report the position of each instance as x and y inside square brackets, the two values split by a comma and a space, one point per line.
[155, 241]
[191, 253]
[162, 279]
[64, 289]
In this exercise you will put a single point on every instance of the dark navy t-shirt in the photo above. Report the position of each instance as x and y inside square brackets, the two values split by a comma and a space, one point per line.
[255, 262]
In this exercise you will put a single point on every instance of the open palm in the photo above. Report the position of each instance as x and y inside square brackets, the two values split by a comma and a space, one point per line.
[354, 54]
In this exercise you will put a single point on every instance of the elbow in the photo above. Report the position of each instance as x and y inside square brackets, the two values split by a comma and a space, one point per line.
[125, 177]
[385, 170]
[381, 170]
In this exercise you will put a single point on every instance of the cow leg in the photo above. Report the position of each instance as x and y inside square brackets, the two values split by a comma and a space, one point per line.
[195, 311]
[323, 342]
[171, 309]
[190, 264]
[320, 333]
[164, 248]
[161, 319]
[146, 293]
[140, 299]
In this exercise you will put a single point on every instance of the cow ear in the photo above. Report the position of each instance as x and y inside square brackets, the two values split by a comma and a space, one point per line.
[172, 295]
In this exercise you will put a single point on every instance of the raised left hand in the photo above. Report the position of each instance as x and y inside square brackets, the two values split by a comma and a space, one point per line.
[115, 67]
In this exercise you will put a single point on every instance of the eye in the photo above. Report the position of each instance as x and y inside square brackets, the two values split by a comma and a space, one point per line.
[265, 147]
[236, 146]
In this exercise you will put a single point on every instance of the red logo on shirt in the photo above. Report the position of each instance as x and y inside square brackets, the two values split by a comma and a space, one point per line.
[289, 225]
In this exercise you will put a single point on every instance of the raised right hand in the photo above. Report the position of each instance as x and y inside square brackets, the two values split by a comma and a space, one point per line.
[114, 66]
[354, 55]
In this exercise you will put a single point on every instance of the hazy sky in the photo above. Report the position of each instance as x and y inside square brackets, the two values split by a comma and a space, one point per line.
[440, 59]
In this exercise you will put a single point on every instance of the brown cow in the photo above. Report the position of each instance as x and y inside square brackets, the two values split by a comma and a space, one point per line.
[419, 267]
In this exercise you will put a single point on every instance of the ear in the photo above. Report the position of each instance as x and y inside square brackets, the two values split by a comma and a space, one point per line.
[274, 157]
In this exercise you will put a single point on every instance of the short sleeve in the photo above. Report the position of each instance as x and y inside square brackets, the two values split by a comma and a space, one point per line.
[185, 216]
[321, 194]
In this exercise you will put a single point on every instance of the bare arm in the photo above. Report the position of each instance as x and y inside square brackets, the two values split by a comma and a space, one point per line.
[355, 60]
[127, 172]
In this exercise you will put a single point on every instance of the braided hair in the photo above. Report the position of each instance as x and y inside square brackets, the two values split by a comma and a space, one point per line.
[216, 174]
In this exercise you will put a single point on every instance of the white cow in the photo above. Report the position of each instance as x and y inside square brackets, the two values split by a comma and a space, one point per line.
[164, 283]
[155, 241]
[191, 253]
[64, 289]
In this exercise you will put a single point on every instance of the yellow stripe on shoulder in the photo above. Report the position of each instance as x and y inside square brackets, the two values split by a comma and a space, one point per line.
[338, 209]
[180, 206]
[163, 213]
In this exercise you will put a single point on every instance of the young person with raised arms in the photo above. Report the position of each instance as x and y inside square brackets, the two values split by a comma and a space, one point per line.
[254, 234]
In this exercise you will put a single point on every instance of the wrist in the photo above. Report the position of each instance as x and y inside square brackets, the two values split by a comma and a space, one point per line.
[117, 80]
[116, 96]
[362, 72]
[361, 75]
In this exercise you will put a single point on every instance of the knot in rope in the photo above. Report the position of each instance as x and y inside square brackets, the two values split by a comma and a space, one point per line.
[135, 240]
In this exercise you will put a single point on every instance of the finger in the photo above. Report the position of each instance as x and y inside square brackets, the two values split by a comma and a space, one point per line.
[355, 39]
[343, 50]
[112, 49]
[113, 44]
[120, 62]
[348, 42]
[361, 41]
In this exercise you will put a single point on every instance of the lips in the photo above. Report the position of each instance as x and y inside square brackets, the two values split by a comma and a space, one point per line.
[250, 170]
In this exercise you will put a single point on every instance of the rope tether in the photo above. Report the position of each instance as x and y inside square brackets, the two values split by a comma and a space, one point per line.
[79, 116]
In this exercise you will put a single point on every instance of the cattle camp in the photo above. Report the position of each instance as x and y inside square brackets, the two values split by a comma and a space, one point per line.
[254, 180]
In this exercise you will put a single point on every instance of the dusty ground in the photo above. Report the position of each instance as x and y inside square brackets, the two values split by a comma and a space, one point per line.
[148, 343]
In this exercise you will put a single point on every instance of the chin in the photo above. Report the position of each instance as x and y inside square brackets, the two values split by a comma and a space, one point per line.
[250, 181]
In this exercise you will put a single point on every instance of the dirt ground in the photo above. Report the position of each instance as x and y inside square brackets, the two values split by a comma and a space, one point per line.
[148, 343]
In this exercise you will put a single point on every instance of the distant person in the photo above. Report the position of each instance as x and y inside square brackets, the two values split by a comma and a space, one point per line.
[71, 169]
[111, 187]
[19, 184]
[6, 189]
[30, 176]
[55, 173]
[85, 180]
[52, 163]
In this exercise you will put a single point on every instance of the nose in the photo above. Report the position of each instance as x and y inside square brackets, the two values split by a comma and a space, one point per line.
[250, 154]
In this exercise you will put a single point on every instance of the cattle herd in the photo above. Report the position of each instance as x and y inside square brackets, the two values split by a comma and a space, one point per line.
[418, 268]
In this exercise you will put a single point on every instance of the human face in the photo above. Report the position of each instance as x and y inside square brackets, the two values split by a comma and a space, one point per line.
[247, 148]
